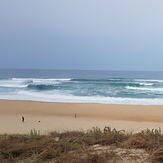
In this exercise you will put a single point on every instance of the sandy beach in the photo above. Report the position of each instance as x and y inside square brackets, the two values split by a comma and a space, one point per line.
[49, 116]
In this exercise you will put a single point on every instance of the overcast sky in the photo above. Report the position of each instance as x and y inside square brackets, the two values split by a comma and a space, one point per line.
[82, 34]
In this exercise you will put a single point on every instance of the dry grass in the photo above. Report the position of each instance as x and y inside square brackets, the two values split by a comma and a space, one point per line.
[94, 146]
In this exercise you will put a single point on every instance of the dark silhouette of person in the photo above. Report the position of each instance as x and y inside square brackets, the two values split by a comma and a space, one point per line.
[23, 119]
[75, 115]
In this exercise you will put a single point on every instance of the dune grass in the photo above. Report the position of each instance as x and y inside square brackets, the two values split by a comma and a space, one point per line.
[94, 146]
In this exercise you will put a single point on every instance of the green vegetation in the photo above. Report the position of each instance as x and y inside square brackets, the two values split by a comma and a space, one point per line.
[34, 134]
[94, 146]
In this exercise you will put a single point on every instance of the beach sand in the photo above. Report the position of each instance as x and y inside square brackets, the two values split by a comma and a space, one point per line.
[49, 116]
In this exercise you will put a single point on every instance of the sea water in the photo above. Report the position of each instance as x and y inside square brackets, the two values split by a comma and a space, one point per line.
[82, 86]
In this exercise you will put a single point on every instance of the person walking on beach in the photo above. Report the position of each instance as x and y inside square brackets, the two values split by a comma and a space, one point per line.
[23, 119]
[75, 115]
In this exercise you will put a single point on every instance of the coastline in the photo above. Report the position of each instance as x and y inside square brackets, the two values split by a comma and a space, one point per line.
[51, 116]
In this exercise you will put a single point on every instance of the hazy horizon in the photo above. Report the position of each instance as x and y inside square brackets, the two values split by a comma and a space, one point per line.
[82, 35]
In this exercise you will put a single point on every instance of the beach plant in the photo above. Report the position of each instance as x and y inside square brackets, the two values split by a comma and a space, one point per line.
[95, 132]
[153, 132]
[107, 136]
[34, 134]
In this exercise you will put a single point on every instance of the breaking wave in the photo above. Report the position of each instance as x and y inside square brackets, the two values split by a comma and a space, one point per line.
[112, 89]
[145, 89]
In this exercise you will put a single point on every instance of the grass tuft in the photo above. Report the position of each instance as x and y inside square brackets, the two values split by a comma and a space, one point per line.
[34, 134]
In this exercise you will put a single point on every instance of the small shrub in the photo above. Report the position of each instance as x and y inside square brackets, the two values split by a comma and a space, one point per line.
[34, 134]
[153, 132]
[95, 133]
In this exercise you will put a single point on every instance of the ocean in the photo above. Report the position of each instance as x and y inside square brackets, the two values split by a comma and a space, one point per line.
[83, 86]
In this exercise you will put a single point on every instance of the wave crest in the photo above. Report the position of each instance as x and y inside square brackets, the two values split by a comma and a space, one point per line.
[145, 89]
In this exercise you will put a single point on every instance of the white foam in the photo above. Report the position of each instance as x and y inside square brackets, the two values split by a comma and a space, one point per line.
[22, 79]
[148, 80]
[13, 86]
[45, 82]
[146, 84]
[21, 82]
[115, 79]
[145, 89]
[37, 80]
[49, 81]
[60, 97]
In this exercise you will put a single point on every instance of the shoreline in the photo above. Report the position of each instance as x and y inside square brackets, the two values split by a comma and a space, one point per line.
[51, 116]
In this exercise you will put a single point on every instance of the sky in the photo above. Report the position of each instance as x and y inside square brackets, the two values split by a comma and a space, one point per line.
[82, 34]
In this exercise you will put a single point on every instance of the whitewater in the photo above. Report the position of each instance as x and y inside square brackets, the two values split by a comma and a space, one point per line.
[81, 86]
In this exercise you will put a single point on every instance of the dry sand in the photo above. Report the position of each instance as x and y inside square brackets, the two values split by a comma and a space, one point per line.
[48, 116]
